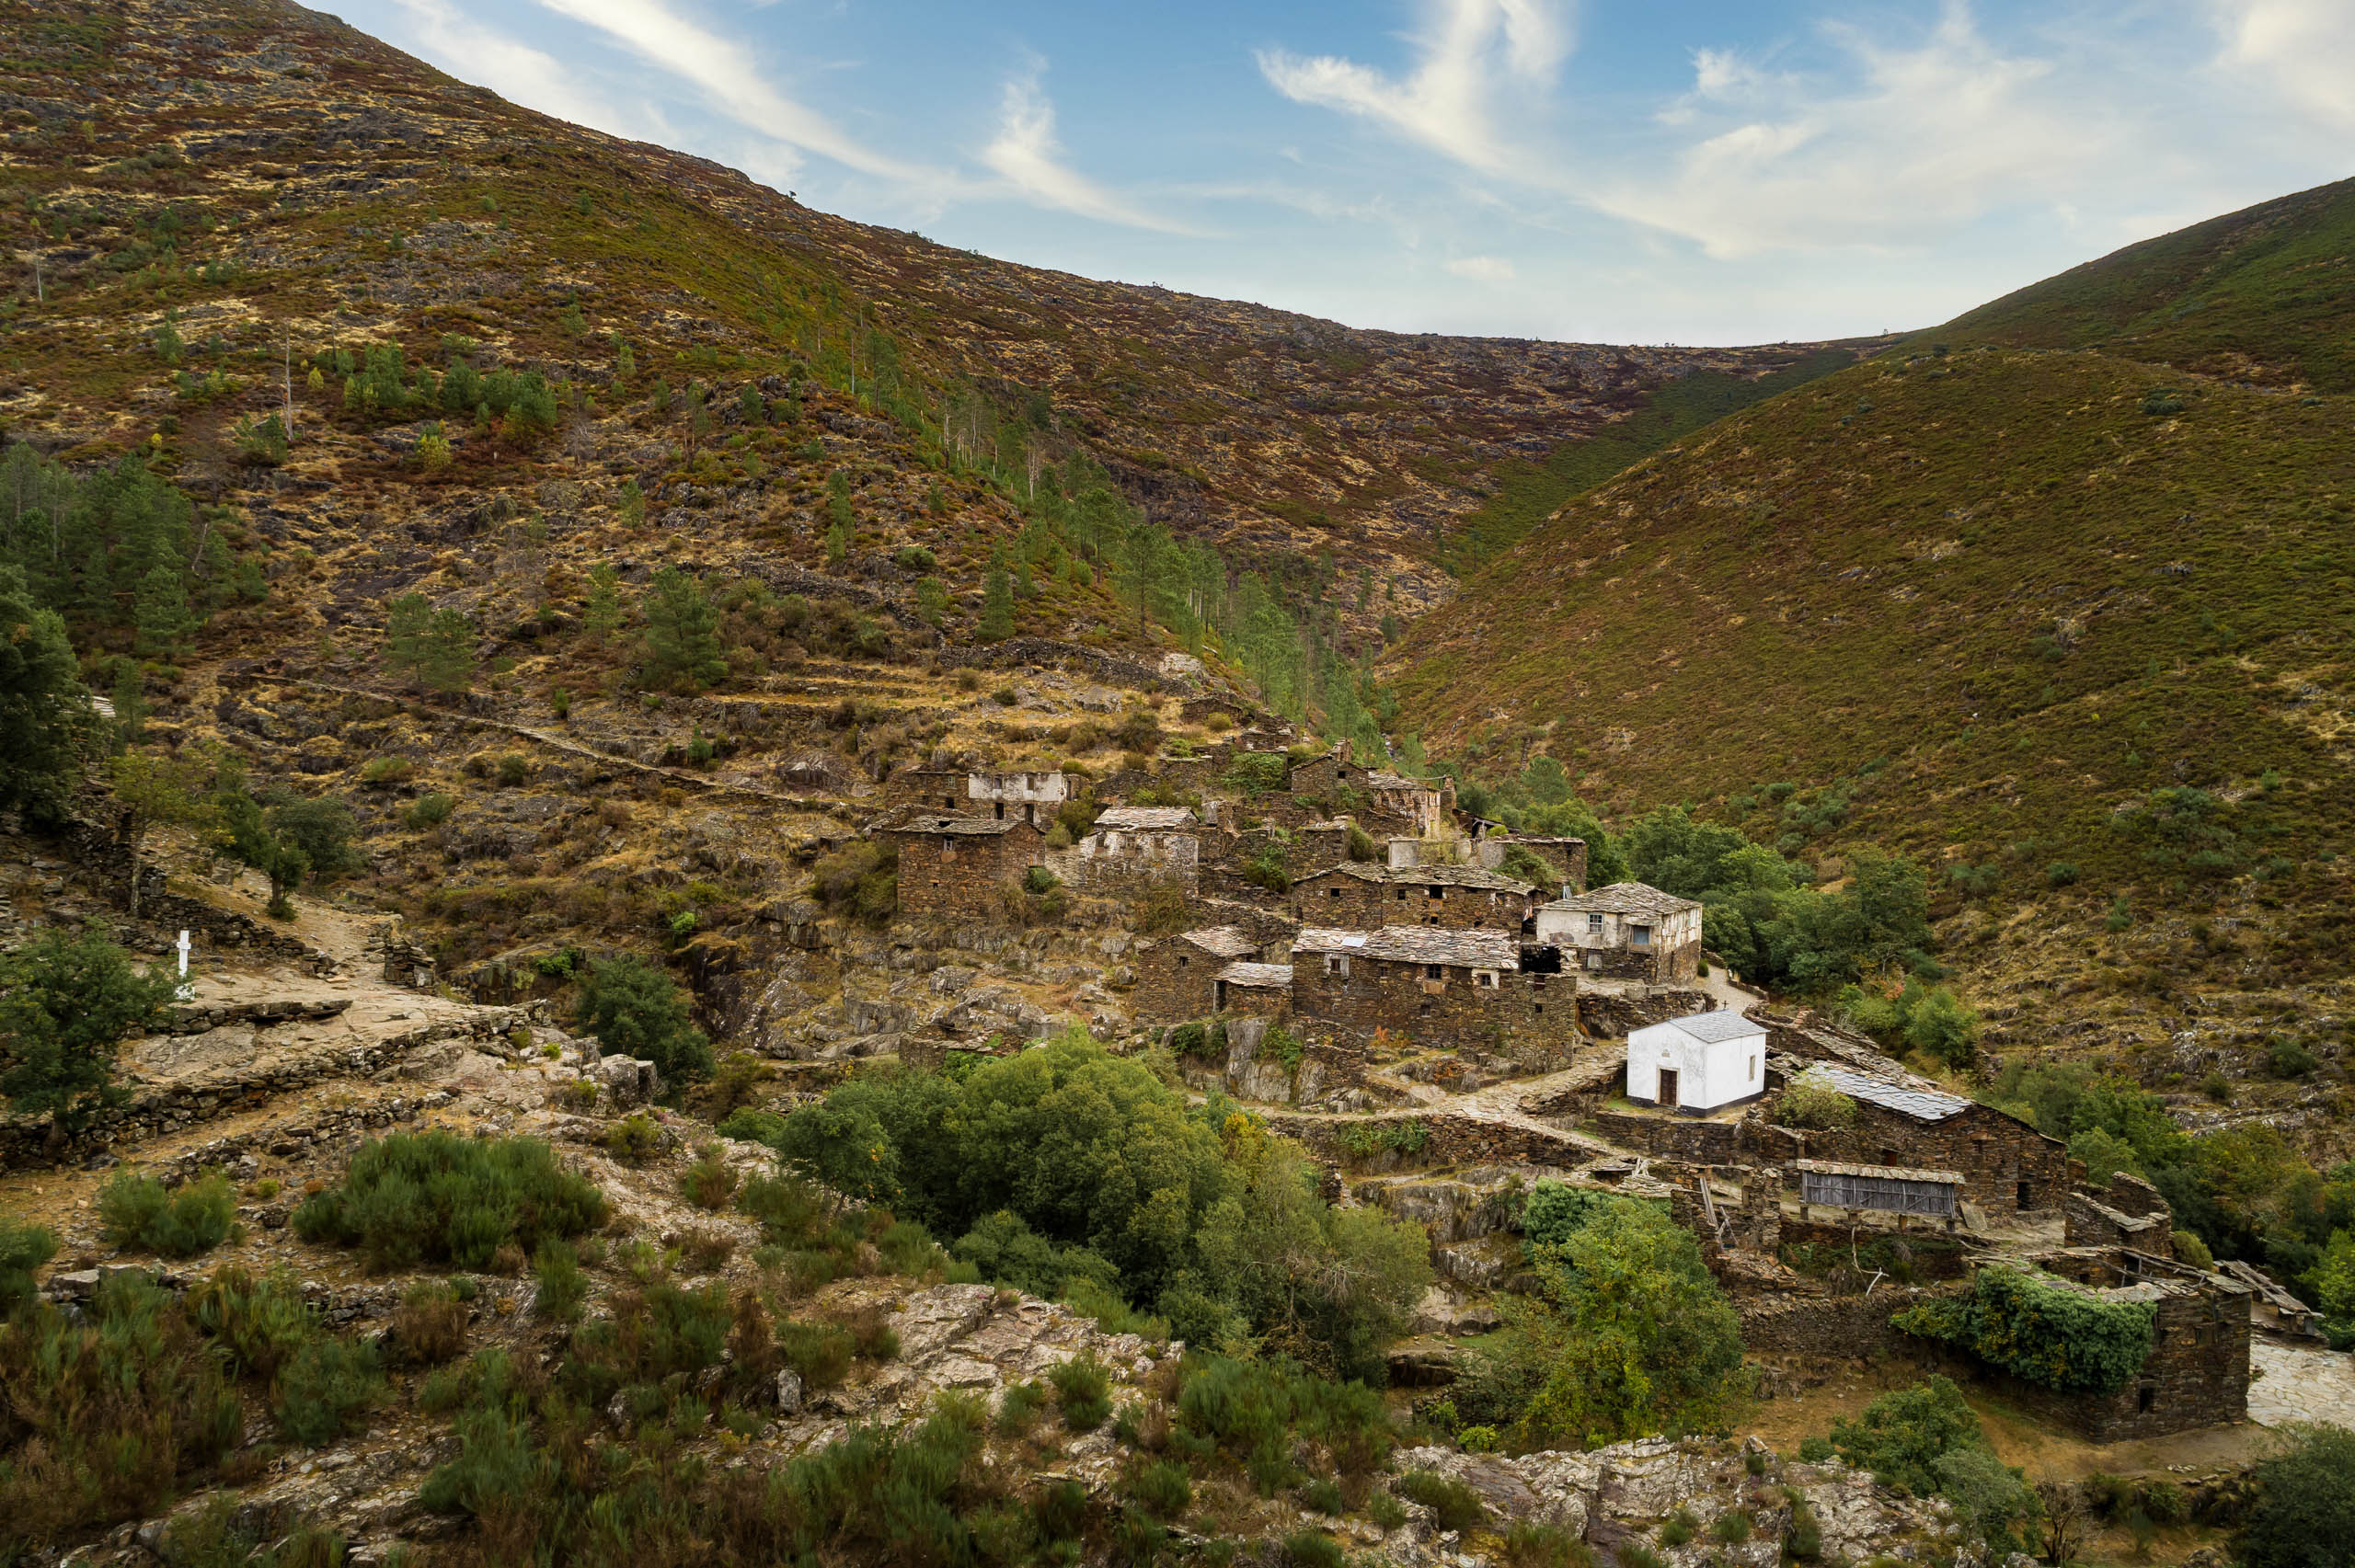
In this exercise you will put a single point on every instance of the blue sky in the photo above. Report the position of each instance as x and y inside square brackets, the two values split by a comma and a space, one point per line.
[1680, 171]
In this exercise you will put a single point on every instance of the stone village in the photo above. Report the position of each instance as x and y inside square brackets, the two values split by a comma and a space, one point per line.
[1444, 1010]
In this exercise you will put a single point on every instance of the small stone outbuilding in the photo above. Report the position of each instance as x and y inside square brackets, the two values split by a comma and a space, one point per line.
[1133, 846]
[1437, 990]
[1627, 931]
[1261, 990]
[1177, 976]
[957, 865]
[2008, 1166]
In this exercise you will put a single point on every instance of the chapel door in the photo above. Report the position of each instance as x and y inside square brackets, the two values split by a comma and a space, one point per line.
[1667, 1088]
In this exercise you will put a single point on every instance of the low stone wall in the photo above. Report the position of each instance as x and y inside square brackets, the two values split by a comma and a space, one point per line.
[154, 1111]
[331, 1126]
[1449, 1138]
[260, 1015]
[1845, 1326]
[97, 853]
[1610, 1014]
[1674, 1137]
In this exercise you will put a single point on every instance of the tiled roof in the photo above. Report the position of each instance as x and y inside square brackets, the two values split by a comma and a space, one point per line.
[1428, 876]
[1145, 818]
[1922, 1105]
[1725, 1023]
[1223, 941]
[1625, 898]
[1256, 975]
[1417, 945]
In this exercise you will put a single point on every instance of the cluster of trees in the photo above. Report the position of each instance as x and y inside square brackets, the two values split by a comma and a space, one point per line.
[2242, 1192]
[377, 380]
[121, 549]
[1069, 1171]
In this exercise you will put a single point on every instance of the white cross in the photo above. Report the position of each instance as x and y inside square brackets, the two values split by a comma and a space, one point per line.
[186, 992]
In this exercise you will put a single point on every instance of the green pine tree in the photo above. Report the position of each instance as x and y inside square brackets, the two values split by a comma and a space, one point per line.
[406, 619]
[602, 615]
[65, 1001]
[129, 702]
[448, 649]
[997, 604]
[681, 631]
[160, 611]
[46, 726]
[168, 346]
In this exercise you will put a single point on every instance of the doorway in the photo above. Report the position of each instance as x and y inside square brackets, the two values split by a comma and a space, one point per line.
[1668, 1086]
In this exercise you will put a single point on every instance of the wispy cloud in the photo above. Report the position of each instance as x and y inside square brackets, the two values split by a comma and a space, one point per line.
[1475, 56]
[516, 71]
[723, 69]
[1483, 269]
[2303, 49]
[1026, 156]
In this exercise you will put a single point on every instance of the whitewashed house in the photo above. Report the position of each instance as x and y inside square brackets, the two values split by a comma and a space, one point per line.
[1698, 1064]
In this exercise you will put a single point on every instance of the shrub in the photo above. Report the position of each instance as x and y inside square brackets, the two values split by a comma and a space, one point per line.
[636, 1138]
[560, 1284]
[1903, 1434]
[1679, 1528]
[633, 1010]
[432, 1197]
[2304, 1516]
[2059, 873]
[1161, 1489]
[1543, 1546]
[1812, 1100]
[1253, 1413]
[136, 1211]
[1731, 1528]
[384, 772]
[2038, 1328]
[711, 1180]
[1988, 1494]
[2188, 1248]
[23, 1248]
[1314, 1549]
[1387, 1512]
[1453, 1506]
[1017, 1412]
[862, 878]
[2285, 1058]
[259, 1324]
[1323, 1495]
[323, 1389]
[428, 810]
[112, 1408]
[429, 1325]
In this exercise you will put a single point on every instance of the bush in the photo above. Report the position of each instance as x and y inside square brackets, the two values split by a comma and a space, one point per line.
[861, 877]
[1083, 1391]
[112, 1409]
[633, 1011]
[1453, 1506]
[322, 1392]
[428, 810]
[636, 1138]
[2038, 1328]
[136, 1211]
[1252, 1413]
[2304, 1516]
[1811, 1101]
[1314, 1549]
[711, 1180]
[258, 1324]
[1902, 1435]
[429, 1325]
[1679, 1528]
[561, 1286]
[432, 1197]
[23, 1248]
[1543, 1546]
[2285, 1058]
[2188, 1248]
[1161, 1489]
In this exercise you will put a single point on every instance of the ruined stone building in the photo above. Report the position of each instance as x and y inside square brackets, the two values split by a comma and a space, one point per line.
[1565, 857]
[1368, 897]
[1259, 990]
[1698, 1063]
[1627, 931]
[1438, 990]
[1131, 845]
[1033, 797]
[1177, 976]
[2197, 1372]
[2008, 1166]
[957, 865]
[935, 785]
[2128, 1213]
[1423, 804]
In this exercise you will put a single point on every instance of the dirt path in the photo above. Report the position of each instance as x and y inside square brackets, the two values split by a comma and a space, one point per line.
[2300, 1382]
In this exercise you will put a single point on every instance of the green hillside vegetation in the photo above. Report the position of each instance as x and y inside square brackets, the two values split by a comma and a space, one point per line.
[1527, 494]
[2264, 295]
[2031, 618]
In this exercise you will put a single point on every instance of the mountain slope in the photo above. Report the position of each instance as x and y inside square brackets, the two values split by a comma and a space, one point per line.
[2265, 294]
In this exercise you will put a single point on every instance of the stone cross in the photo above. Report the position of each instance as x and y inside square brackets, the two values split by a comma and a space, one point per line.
[186, 992]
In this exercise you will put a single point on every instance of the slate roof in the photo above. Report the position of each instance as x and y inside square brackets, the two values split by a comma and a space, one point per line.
[1883, 1173]
[1922, 1105]
[1625, 898]
[1394, 781]
[1258, 975]
[1428, 876]
[1417, 945]
[1709, 1028]
[972, 826]
[1145, 818]
[1222, 941]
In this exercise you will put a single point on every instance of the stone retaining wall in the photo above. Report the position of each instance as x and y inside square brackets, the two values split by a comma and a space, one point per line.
[1449, 1138]
[1849, 1327]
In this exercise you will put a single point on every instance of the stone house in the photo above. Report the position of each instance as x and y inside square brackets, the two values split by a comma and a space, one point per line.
[933, 786]
[1423, 803]
[1698, 1063]
[1177, 976]
[955, 865]
[2128, 1213]
[2008, 1166]
[1627, 931]
[1437, 989]
[1033, 797]
[1131, 845]
[1263, 990]
[1566, 856]
[1369, 897]
[2197, 1372]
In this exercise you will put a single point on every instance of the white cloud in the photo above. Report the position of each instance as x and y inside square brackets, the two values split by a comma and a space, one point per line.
[2304, 50]
[1476, 56]
[723, 69]
[516, 72]
[1928, 137]
[1483, 269]
[1026, 155]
